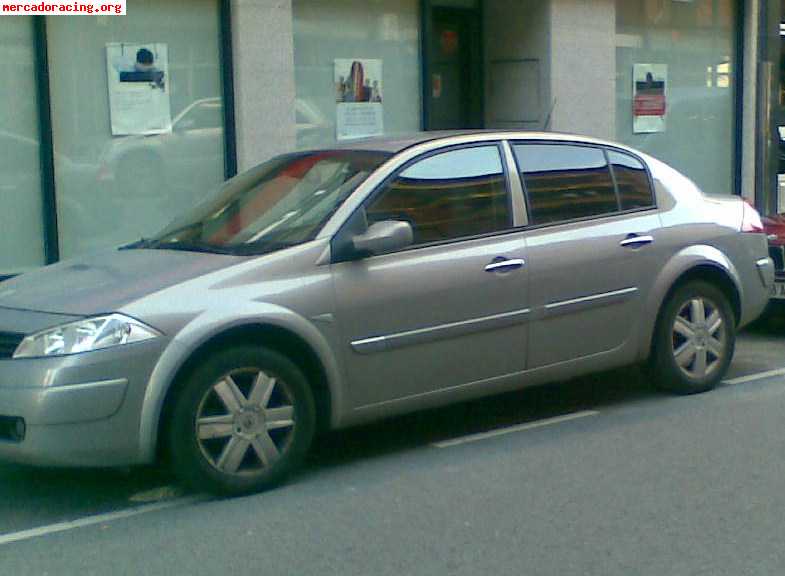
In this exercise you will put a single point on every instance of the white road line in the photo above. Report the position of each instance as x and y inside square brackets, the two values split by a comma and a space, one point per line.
[753, 377]
[511, 429]
[92, 520]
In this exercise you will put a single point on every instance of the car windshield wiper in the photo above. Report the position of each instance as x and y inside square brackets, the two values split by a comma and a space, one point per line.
[139, 244]
[189, 247]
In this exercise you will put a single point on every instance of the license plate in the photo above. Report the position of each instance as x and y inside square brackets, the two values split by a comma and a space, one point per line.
[778, 291]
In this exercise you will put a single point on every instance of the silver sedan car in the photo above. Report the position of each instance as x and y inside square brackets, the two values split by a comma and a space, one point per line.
[327, 288]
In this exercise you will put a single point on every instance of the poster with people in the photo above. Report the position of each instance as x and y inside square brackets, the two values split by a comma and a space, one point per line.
[649, 98]
[138, 79]
[359, 98]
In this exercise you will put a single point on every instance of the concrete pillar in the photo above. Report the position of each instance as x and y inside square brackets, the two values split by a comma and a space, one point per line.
[583, 67]
[749, 94]
[263, 50]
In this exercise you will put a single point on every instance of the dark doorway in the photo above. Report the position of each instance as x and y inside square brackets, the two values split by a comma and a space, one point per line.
[453, 52]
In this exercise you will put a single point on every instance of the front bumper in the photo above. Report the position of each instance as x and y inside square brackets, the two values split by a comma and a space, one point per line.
[78, 410]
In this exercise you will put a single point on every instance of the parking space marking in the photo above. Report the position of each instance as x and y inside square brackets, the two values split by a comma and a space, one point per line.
[757, 376]
[95, 519]
[516, 428]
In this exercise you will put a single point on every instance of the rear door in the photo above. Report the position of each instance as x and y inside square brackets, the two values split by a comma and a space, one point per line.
[591, 254]
[451, 310]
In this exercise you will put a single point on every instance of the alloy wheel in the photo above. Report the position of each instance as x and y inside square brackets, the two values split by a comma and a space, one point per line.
[245, 422]
[699, 338]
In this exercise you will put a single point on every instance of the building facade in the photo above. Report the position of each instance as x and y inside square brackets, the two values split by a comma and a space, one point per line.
[114, 125]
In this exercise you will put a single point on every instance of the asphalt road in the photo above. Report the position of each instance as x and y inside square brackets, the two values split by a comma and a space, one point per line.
[631, 482]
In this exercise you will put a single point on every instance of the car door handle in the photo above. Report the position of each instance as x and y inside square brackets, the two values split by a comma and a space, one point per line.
[500, 265]
[635, 241]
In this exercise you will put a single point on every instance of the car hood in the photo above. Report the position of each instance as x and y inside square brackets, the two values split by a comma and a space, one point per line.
[106, 281]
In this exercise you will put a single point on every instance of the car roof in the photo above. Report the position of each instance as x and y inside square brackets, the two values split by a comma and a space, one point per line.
[397, 143]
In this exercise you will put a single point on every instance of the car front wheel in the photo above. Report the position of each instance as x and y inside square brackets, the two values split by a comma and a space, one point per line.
[242, 422]
[695, 339]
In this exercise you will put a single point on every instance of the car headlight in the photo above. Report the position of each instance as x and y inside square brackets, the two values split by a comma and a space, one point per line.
[84, 336]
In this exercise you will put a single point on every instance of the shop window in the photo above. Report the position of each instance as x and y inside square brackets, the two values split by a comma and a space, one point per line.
[357, 69]
[565, 182]
[690, 50]
[137, 114]
[20, 156]
[452, 195]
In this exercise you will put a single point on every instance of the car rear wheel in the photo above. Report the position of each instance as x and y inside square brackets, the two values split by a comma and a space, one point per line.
[242, 423]
[695, 339]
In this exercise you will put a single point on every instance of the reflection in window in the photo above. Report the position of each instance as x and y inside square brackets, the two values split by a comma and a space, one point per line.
[632, 181]
[201, 115]
[451, 195]
[565, 182]
[280, 203]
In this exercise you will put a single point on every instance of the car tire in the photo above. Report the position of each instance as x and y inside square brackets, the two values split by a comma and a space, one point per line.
[242, 422]
[694, 340]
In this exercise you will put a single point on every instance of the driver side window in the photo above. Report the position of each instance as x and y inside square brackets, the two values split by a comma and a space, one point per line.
[451, 195]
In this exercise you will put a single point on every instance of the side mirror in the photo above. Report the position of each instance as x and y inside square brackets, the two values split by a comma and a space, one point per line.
[383, 237]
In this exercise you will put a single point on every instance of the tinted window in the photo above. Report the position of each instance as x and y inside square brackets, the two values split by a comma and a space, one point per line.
[632, 181]
[565, 182]
[449, 195]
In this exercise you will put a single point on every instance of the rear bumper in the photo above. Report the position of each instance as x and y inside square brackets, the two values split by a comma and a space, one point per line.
[777, 254]
[756, 272]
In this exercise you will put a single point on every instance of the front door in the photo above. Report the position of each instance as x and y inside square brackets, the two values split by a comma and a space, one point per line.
[452, 309]
[455, 91]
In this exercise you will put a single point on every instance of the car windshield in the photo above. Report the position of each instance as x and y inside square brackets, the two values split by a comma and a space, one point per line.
[281, 203]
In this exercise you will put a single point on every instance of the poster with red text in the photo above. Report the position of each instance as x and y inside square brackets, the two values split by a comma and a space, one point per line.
[649, 98]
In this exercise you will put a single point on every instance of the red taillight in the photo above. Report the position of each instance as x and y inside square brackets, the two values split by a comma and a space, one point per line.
[750, 220]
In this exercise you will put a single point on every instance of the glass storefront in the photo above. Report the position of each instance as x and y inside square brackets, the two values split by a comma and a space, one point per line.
[676, 66]
[350, 52]
[123, 173]
[659, 75]
[21, 213]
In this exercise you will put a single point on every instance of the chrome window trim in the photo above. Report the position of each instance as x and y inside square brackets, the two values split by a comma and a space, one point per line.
[440, 332]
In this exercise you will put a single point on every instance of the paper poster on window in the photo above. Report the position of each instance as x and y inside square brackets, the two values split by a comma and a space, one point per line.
[650, 97]
[359, 99]
[138, 79]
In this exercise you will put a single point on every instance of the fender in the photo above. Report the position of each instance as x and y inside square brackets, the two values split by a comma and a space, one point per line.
[209, 325]
[679, 264]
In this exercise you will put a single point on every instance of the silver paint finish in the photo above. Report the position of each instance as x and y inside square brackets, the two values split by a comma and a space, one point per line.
[396, 332]
[426, 287]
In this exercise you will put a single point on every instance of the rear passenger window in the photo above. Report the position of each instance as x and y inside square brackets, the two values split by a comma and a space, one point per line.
[632, 181]
[565, 182]
[451, 195]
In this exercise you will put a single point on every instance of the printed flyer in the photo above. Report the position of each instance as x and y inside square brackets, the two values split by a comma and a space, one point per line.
[650, 97]
[138, 79]
[358, 95]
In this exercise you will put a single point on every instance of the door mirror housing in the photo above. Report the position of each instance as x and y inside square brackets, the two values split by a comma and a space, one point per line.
[383, 237]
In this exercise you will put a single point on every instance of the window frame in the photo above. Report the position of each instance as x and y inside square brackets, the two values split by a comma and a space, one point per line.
[649, 179]
[349, 223]
[604, 149]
